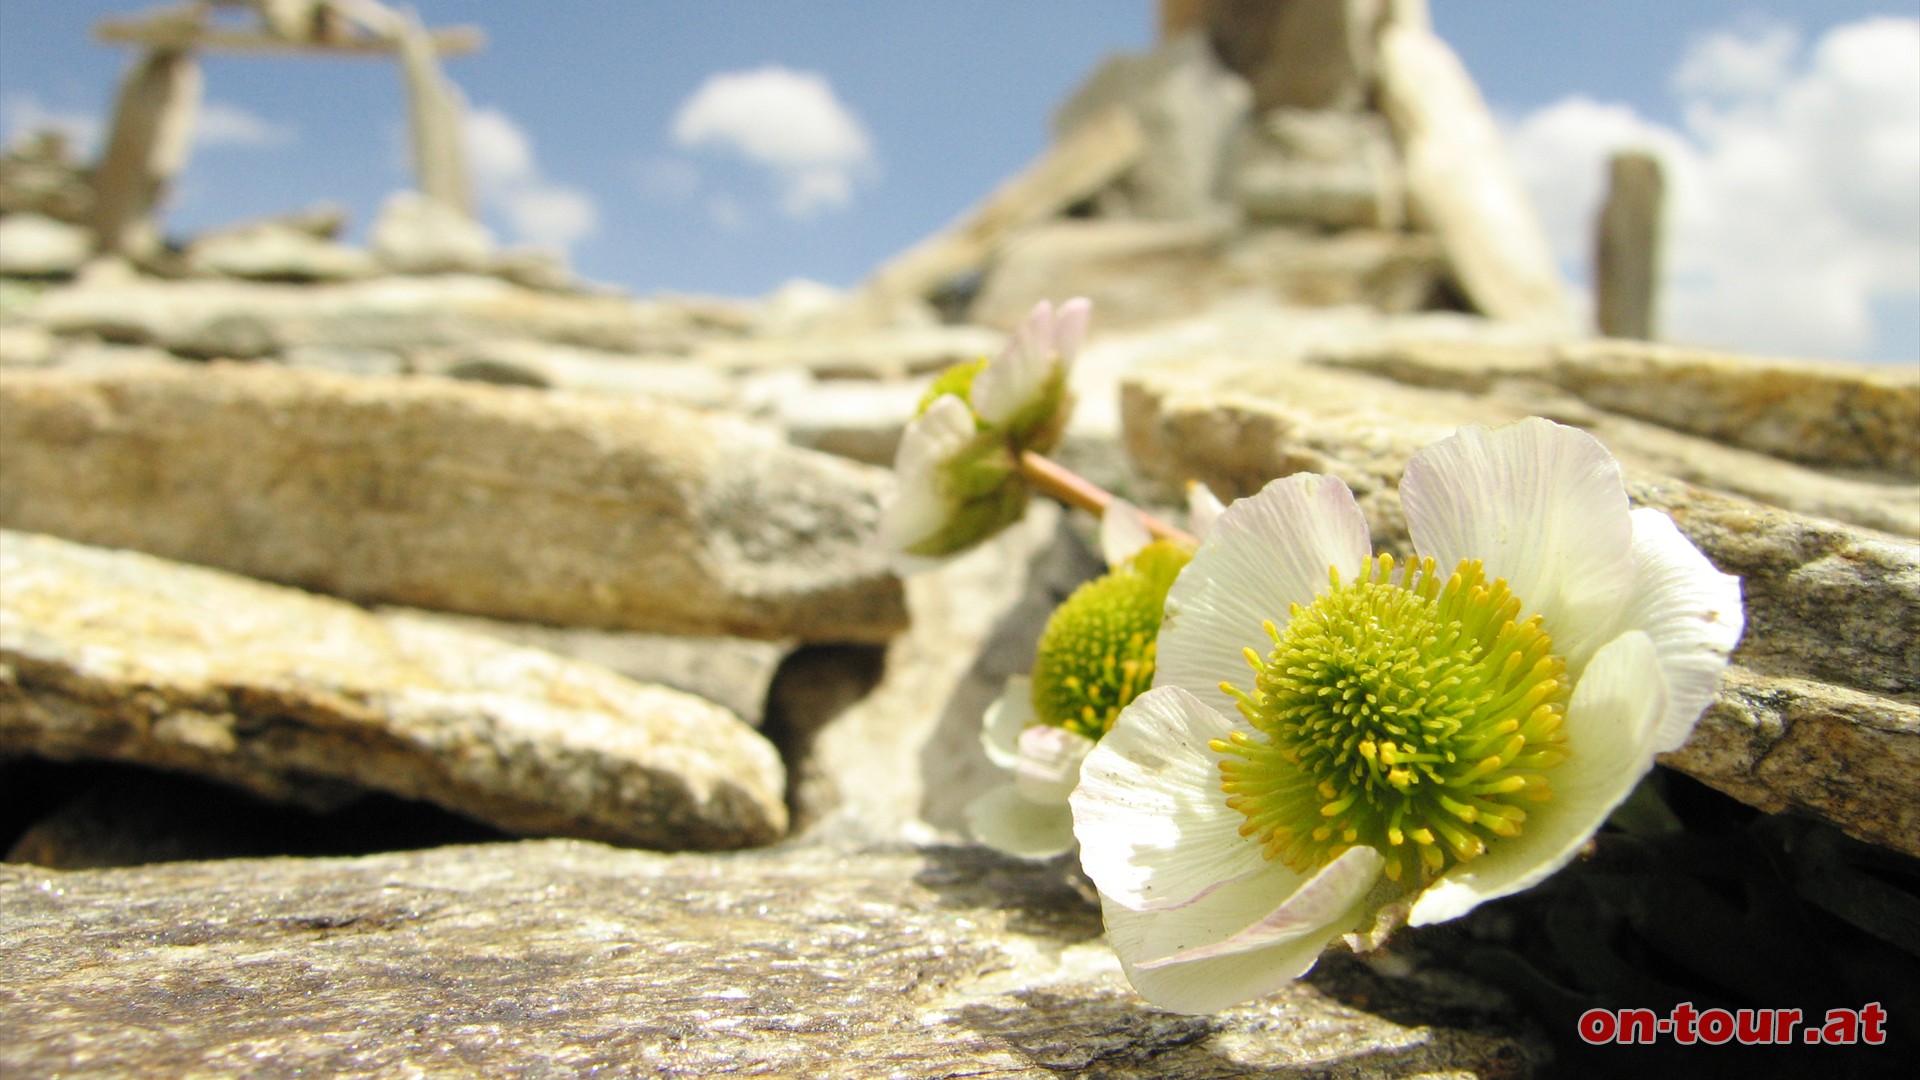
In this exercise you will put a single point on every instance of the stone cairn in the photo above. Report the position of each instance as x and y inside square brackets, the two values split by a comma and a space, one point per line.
[311, 555]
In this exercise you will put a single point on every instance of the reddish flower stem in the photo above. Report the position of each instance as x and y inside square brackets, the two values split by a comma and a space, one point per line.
[1051, 478]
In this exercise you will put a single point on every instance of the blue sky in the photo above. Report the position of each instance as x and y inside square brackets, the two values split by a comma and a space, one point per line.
[611, 126]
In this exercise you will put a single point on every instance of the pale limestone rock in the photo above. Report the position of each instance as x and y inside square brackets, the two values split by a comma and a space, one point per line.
[1190, 109]
[555, 957]
[864, 354]
[204, 318]
[733, 673]
[1818, 411]
[38, 175]
[1331, 169]
[588, 371]
[277, 251]
[861, 420]
[33, 245]
[148, 145]
[1139, 272]
[542, 507]
[418, 234]
[347, 360]
[26, 347]
[121, 656]
[1460, 184]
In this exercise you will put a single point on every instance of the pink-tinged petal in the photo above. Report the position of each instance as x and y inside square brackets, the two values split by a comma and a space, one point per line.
[1070, 325]
[1693, 613]
[1320, 902]
[1611, 723]
[1008, 822]
[1265, 554]
[1217, 982]
[1009, 715]
[1014, 378]
[1049, 763]
[1153, 822]
[1542, 506]
[1123, 532]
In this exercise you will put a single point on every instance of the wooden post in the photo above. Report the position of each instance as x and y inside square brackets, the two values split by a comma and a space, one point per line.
[1627, 249]
[436, 119]
[152, 132]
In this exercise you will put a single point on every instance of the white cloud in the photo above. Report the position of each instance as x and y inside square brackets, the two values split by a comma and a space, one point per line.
[508, 178]
[789, 122]
[1791, 205]
[221, 123]
[23, 113]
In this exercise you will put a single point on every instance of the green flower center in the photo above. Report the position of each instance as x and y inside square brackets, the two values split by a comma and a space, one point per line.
[1096, 654]
[1412, 716]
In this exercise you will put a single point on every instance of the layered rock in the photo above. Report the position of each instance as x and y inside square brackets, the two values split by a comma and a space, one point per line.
[499, 502]
[530, 958]
[124, 657]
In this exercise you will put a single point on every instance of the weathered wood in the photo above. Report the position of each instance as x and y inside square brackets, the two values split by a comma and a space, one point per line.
[1627, 250]
[152, 132]
[1078, 165]
[436, 120]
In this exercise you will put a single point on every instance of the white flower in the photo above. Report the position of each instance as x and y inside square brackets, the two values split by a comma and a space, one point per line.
[957, 470]
[1413, 742]
[1029, 817]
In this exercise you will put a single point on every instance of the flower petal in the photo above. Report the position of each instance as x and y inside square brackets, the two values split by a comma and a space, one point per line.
[1693, 613]
[1070, 324]
[1049, 764]
[1123, 532]
[1542, 505]
[1215, 982]
[1006, 718]
[1009, 822]
[1265, 554]
[1611, 723]
[1320, 901]
[918, 508]
[1154, 826]
[1013, 380]
[1203, 508]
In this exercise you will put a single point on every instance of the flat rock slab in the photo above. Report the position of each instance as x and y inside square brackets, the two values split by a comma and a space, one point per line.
[554, 958]
[120, 656]
[502, 502]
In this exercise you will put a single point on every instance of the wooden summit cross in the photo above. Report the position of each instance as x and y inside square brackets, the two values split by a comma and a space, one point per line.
[160, 96]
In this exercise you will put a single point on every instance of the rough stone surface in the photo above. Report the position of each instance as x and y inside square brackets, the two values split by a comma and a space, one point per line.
[590, 371]
[1330, 169]
[1140, 272]
[32, 245]
[1189, 109]
[277, 251]
[1819, 411]
[508, 503]
[1833, 610]
[731, 672]
[1460, 183]
[124, 657]
[562, 958]
[418, 234]
[240, 320]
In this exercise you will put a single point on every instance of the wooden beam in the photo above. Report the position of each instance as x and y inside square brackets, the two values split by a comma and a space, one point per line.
[171, 36]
